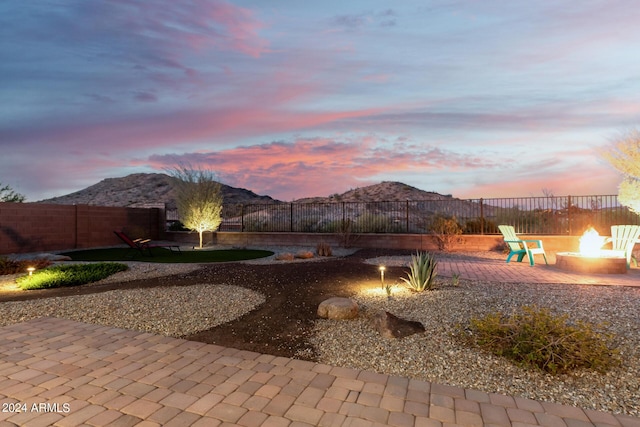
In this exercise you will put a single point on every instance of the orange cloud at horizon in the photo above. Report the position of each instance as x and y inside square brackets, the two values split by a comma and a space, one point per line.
[575, 182]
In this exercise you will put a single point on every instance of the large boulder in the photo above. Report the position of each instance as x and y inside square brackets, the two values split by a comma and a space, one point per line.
[390, 326]
[338, 308]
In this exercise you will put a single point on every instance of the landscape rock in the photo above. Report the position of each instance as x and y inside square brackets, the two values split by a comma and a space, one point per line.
[304, 254]
[390, 326]
[338, 308]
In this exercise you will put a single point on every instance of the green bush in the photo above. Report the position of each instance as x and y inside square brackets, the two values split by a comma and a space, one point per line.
[8, 266]
[537, 338]
[69, 275]
[423, 272]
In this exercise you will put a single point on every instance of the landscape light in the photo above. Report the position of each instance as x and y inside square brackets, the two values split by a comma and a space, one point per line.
[382, 268]
[31, 270]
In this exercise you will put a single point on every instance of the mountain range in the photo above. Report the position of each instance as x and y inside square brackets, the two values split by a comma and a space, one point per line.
[157, 190]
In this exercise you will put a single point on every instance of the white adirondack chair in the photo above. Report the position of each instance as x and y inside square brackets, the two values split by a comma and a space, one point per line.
[520, 247]
[623, 239]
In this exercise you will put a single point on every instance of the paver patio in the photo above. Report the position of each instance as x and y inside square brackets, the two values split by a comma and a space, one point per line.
[57, 372]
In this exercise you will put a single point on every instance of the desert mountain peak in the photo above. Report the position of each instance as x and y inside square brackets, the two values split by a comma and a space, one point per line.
[156, 190]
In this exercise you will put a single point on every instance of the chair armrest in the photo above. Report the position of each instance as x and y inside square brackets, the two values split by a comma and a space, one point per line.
[514, 241]
[538, 242]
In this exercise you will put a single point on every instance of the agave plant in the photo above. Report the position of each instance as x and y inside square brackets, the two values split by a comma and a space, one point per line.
[423, 272]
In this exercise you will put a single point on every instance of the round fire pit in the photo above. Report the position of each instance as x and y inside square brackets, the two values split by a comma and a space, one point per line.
[606, 263]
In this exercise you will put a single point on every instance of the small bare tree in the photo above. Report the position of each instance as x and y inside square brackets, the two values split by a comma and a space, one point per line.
[8, 195]
[198, 198]
[624, 155]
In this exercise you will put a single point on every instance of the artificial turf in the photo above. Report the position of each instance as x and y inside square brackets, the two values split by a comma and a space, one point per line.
[163, 255]
[69, 275]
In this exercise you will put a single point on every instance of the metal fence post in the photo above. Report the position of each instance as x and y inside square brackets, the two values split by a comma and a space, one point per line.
[569, 214]
[481, 216]
[407, 210]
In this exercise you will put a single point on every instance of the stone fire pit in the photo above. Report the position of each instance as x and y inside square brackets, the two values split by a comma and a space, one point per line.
[607, 262]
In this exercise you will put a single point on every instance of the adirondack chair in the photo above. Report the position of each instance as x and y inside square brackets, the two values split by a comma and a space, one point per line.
[623, 239]
[142, 245]
[520, 247]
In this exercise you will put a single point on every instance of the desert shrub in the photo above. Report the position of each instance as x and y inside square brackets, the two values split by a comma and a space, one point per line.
[477, 226]
[306, 225]
[371, 223]
[69, 275]
[345, 231]
[423, 272]
[323, 249]
[328, 226]
[446, 230]
[255, 225]
[177, 226]
[9, 266]
[537, 338]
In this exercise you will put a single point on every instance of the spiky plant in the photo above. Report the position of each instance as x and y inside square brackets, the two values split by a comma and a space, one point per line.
[423, 272]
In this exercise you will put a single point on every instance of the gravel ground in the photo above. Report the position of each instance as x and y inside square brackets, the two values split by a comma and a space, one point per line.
[156, 310]
[437, 356]
[433, 356]
[160, 310]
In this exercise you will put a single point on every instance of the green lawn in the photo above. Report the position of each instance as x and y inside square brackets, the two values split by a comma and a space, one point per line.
[69, 275]
[166, 256]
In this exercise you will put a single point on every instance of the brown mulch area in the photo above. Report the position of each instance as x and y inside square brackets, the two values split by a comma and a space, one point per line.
[292, 290]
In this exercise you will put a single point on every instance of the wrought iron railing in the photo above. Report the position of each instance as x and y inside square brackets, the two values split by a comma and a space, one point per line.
[562, 215]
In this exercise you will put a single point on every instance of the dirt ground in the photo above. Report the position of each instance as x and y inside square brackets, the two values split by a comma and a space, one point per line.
[292, 290]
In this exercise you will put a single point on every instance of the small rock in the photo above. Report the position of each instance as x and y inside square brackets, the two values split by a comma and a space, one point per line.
[304, 255]
[338, 308]
[390, 326]
[286, 256]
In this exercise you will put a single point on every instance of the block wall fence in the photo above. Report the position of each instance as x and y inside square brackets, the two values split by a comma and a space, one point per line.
[37, 227]
[423, 242]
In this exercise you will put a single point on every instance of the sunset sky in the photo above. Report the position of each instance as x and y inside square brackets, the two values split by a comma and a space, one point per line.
[491, 98]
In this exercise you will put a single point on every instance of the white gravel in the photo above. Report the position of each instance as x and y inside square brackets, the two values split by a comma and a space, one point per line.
[438, 356]
[171, 311]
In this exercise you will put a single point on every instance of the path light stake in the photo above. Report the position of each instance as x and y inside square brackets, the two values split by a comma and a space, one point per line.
[382, 268]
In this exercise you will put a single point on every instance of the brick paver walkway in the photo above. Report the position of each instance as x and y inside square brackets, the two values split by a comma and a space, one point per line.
[497, 270]
[57, 372]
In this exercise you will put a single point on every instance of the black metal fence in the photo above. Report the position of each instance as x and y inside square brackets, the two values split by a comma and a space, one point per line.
[562, 215]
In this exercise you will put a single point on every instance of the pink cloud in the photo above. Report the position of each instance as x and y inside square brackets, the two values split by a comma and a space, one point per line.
[199, 24]
[241, 26]
[320, 166]
[161, 131]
